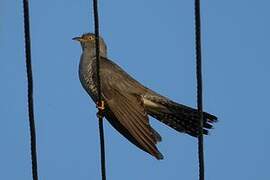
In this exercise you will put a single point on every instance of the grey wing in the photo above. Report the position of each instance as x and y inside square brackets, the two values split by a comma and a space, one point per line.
[122, 96]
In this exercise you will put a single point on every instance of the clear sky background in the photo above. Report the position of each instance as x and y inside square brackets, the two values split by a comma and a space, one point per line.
[154, 41]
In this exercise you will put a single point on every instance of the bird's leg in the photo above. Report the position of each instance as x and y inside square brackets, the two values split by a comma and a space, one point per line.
[101, 108]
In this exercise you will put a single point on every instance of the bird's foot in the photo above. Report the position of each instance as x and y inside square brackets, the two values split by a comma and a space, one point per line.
[100, 114]
[101, 108]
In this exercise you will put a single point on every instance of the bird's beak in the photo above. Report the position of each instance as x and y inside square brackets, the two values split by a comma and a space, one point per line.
[77, 39]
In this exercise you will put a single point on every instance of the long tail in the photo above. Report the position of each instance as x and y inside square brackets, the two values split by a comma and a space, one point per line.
[179, 117]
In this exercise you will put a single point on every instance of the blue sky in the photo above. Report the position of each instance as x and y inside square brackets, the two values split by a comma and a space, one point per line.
[154, 42]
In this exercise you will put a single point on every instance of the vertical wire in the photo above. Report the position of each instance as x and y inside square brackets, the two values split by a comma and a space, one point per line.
[199, 86]
[30, 89]
[100, 117]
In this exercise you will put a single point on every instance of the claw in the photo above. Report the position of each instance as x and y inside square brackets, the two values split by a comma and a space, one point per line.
[101, 108]
[101, 105]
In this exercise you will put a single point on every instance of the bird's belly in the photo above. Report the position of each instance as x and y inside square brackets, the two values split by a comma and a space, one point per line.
[88, 83]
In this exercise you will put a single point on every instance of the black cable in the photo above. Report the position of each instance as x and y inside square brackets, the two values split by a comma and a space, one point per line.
[100, 102]
[199, 86]
[30, 88]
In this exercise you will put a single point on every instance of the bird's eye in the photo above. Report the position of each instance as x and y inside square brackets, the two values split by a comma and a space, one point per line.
[90, 38]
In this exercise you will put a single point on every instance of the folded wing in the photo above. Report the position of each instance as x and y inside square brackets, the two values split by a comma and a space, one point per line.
[122, 96]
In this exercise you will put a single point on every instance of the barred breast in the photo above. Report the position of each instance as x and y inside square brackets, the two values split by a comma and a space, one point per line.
[87, 73]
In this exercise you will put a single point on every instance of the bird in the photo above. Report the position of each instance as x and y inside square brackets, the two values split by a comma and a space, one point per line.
[128, 103]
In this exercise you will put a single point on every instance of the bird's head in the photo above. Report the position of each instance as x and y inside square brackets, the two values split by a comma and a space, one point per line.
[88, 44]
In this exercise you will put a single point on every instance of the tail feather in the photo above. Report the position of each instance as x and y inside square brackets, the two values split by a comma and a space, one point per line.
[179, 117]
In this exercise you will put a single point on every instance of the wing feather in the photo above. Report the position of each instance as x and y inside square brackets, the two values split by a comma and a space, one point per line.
[121, 94]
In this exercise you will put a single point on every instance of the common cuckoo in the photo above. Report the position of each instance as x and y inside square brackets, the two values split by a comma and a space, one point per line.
[128, 103]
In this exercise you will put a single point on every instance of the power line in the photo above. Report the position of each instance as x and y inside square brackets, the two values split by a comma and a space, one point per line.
[30, 88]
[100, 103]
[199, 86]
